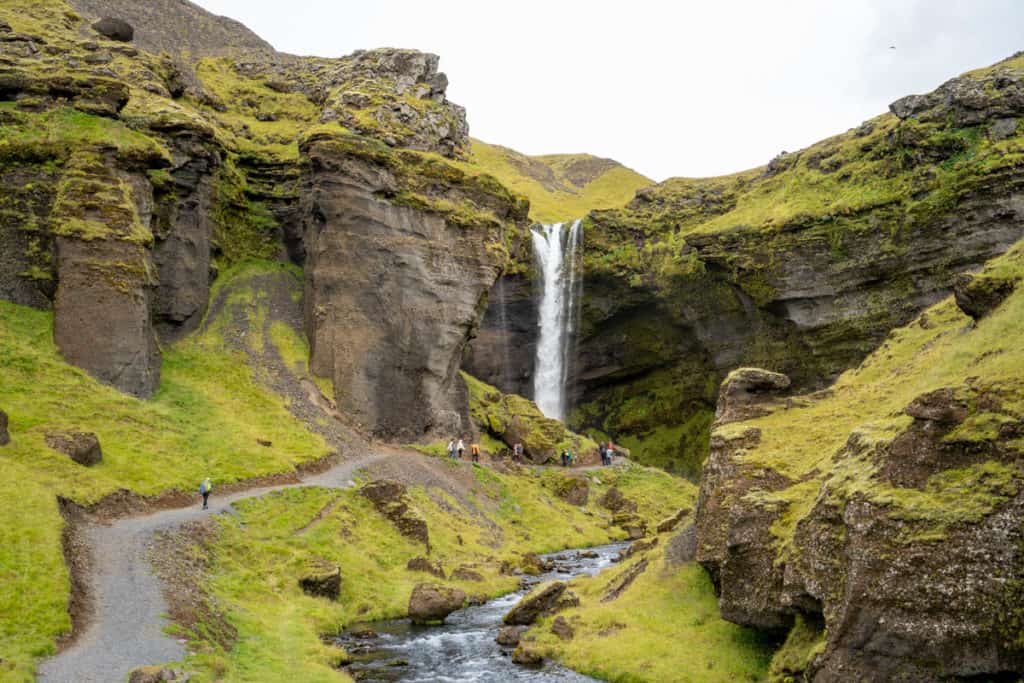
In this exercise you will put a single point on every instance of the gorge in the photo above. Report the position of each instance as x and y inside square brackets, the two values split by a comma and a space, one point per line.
[300, 277]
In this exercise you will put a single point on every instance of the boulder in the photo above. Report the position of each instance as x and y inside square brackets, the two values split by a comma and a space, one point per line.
[321, 579]
[543, 602]
[561, 628]
[573, 490]
[5, 436]
[528, 657]
[508, 636]
[682, 547]
[430, 603]
[631, 523]
[81, 447]
[534, 564]
[115, 29]
[422, 564]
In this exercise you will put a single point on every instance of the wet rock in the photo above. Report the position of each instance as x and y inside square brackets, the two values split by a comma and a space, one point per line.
[587, 555]
[321, 579]
[5, 437]
[528, 657]
[673, 521]
[422, 564]
[746, 393]
[430, 603]
[543, 602]
[115, 29]
[81, 447]
[467, 574]
[390, 499]
[940, 406]
[508, 636]
[561, 628]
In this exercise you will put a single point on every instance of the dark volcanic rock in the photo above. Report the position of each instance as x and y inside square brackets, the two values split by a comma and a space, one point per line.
[940, 405]
[82, 447]
[422, 564]
[5, 436]
[467, 574]
[561, 628]
[977, 296]
[745, 391]
[389, 497]
[430, 603]
[509, 636]
[616, 502]
[115, 29]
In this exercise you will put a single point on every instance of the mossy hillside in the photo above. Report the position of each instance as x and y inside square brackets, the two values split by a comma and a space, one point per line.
[941, 349]
[510, 418]
[204, 421]
[560, 187]
[258, 557]
[665, 627]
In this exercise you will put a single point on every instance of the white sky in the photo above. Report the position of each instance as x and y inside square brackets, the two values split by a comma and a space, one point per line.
[671, 88]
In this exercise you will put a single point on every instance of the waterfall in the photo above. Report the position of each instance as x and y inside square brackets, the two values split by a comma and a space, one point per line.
[555, 251]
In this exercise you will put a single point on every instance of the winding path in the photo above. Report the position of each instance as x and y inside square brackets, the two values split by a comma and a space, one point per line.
[128, 621]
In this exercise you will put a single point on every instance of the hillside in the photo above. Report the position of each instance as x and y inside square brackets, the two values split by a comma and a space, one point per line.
[560, 187]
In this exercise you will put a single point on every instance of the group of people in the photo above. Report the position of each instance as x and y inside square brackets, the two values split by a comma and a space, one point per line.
[607, 453]
[456, 450]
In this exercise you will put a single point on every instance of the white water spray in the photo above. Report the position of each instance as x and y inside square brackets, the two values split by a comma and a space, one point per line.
[555, 251]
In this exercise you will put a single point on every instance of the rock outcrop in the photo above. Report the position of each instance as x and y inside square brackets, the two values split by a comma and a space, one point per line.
[543, 602]
[321, 579]
[884, 515]
[390, 499]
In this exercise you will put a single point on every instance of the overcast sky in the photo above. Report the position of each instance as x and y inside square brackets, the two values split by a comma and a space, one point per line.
[668, 88]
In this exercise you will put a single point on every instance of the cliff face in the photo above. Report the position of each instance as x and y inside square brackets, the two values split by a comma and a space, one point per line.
[132, 179]
[801, 267]
[883, 516]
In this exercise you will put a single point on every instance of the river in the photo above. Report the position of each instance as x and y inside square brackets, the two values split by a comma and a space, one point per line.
[463, 649]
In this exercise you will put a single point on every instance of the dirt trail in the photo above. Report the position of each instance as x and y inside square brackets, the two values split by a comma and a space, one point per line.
[126, 630]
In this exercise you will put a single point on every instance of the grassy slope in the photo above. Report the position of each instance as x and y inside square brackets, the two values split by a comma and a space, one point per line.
[204, 420]
[939, 349]
[664, 628]
[259, 556]
[612, 188]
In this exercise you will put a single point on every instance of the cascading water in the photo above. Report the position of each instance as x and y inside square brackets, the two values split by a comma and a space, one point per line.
[556, 253]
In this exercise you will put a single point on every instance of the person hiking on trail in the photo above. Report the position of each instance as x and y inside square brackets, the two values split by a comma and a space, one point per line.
[451, 449]
[565, 458]
[610, 450]
[475, 451]
[517, 452]
[461, 448]
[604, 454]
[204, 491]
[569, 457]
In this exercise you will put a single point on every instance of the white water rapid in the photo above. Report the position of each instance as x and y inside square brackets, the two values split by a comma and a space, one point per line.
[556, 252]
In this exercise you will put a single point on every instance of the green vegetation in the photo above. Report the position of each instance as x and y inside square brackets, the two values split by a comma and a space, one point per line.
[512, 418]
[560, 187]
[941, 349]
[479, 519]
[806, 640]
[204, 421]
[665, 627]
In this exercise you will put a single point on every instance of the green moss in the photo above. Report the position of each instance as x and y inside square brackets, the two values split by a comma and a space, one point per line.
[243, 227]
[805, 641]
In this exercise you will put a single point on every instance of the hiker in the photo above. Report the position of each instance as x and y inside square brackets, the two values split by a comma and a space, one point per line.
[610, 449]
[565, 458]
[451, 449]
[461, 448]
[204, 491]
[569, 457]
[604, 454]
[475, 450]
[517, 452]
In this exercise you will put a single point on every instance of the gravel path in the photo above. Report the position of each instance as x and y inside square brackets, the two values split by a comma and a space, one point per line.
[129, 617]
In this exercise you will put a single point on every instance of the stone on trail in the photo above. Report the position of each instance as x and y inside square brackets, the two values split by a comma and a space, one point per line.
[430, 603]
[81, 447]
[157, 674]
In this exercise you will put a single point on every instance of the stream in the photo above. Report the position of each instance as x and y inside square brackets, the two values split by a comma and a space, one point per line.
[463, 648]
